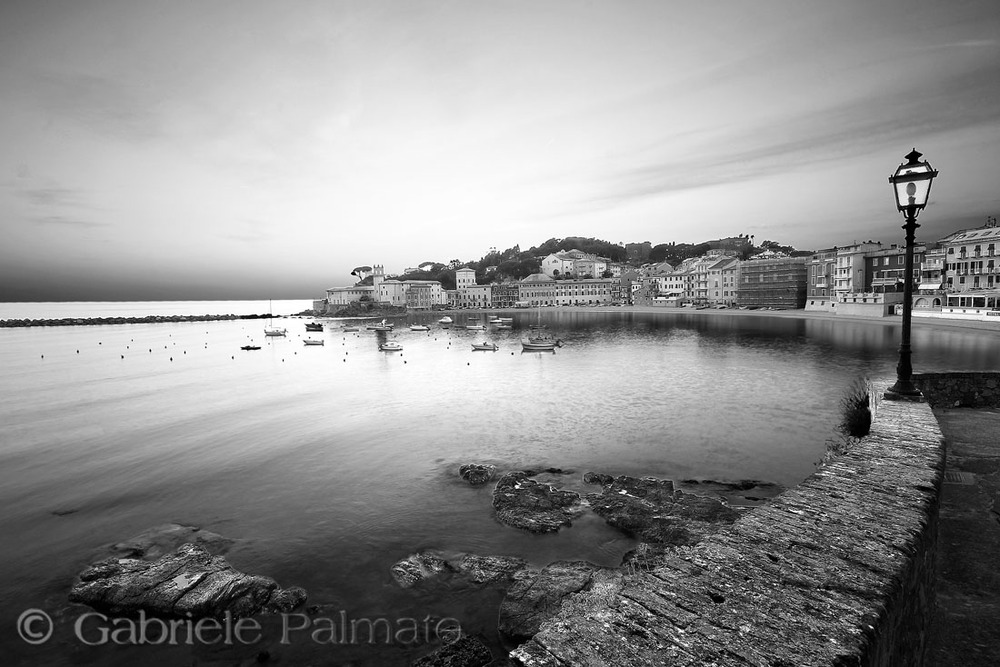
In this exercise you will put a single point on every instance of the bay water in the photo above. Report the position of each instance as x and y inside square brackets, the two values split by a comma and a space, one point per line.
[327, 464]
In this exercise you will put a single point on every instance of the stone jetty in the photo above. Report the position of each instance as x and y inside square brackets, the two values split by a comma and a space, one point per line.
[147, 319]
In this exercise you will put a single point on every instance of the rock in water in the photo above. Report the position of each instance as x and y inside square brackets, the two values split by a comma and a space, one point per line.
[416, 568]
[525, 503]
[427, 566]
[464, 652]
[532, 600]
[651, 510]
[187, 581]
[477, 474]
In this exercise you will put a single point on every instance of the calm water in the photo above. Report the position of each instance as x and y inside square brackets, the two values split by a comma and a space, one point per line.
[328, 464]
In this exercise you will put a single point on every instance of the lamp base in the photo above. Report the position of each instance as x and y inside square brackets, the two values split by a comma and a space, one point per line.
[892, 394]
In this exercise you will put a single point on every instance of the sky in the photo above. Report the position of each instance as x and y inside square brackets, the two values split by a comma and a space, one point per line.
[229, 149]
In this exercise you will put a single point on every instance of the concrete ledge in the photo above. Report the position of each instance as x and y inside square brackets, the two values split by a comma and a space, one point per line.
[971, 389]
[836, 571]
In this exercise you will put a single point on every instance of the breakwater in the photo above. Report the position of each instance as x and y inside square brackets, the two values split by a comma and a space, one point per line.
[836, 571]
[147, 319]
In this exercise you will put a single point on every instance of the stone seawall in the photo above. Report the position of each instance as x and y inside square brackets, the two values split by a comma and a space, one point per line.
[973, 389]
[836, 571]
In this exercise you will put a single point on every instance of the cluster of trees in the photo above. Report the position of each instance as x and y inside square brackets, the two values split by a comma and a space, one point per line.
[515, 264]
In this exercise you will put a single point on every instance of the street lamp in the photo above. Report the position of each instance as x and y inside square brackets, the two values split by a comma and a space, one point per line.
[912, 186]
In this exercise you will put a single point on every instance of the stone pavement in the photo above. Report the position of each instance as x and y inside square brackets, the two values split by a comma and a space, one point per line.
[965, 629]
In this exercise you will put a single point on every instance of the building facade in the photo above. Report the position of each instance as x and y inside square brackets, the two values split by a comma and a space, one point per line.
[773, 283]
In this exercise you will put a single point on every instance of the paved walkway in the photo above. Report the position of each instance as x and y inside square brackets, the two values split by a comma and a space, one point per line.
[966, 627]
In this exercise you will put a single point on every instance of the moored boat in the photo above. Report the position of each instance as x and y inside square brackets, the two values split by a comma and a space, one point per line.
[540, 340]
[250, 347]
[445, 320]
[419, 327]
[313, 341]
[390, 346]
[475, 327]
[381, 326]
[275, 332]
[314, 326]
[486, 347]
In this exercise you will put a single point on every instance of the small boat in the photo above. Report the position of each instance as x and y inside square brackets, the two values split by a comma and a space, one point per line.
[505, 326]
[540, 340]
[390, 346]
[270, 329]
[313, 341]
[537, 345]
[381, 326]
[445, 320]
[314, 326]
[349, 329]
[486, 347]
[475, 327]
[250, 347]
[419, 327]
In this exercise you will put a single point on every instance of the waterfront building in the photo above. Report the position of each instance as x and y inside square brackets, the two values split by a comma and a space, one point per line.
[723, 281]
[539, 289]
[338, 297]
[971, 259]
[850, 274]
[820, 294]
[773, 283]
[930, 291]
[414, 294]
[505, 294]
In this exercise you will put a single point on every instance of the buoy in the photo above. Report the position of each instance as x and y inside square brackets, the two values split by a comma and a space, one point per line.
[123, 356]
[171, 358]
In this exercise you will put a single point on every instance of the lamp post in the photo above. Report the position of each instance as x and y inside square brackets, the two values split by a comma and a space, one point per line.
[912, 186]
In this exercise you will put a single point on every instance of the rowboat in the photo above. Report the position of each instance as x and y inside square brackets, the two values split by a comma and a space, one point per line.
[312, 341]
[390, 346]
[486, 347]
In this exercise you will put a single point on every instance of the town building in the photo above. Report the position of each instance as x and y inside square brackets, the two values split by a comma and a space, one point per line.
[539, 289]
[723, 281]
[773, 283]
[822, 266]
[971, 259]
[850, 274]
[505, 294]
[413, 294]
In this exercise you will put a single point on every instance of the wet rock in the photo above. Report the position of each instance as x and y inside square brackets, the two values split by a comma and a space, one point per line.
[165, 538]
[489, 569]
[525, 503]
[187, 581]
[467, 651]
[479, 570]
[653, 511]
[597, 478]
[749, 492]
[419, 567]
[532, 600]
[477, 473]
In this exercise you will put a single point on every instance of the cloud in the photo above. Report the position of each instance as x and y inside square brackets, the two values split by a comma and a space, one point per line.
[101, 104]
[783, 143]
[64, 221]
[53, 196]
